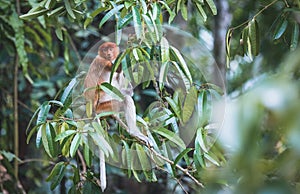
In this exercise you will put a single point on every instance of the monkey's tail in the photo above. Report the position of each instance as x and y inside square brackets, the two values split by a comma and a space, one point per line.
[130, 116]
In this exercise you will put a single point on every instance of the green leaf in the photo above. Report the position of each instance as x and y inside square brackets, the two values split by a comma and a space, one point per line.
[91, 16]
[181, 155]
[144, 159]
[104, 114]
[38, 140]
[163, 74]
[31, 120]
[101, 143]
[46, 139]
[69, 9]
[110, 14]
[254, 37]
[56, 175]
[164, 48]
[228, 41]
[58, 33]
[212, 6]
[199, 140]
[183, 8]
[64, 134]
[33, 130]
[281, 27]
[33, 14]
[68, 91]
[245, 35]
[87, 155]
[175, 107]
[185, 80]
[171, 136]
[128, 157]
[112, 91]
[137, 22]
[201, 10]
[89, 108]
[211, 159]
[182, 63]
[125, 21]
[56, 11]
[55, 171]
[117, 63]
[295, 36]
[189, 104]
[171, 13]
[75, 144]
[53, 146]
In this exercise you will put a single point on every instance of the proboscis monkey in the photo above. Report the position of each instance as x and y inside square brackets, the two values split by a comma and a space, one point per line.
[99, 72]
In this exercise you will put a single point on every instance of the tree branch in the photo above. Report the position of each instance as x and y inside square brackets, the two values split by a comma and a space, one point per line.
[185, 171]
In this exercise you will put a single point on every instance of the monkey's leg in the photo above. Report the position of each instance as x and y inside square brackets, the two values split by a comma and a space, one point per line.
[130, 116]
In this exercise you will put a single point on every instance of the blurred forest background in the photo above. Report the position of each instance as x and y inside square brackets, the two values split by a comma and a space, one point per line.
[254, 43]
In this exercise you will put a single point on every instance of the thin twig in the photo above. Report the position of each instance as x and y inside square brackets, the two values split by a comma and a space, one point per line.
[258, 13]
[185, 171]
[16, 119]
[36, 160]
[82, 161]
[19, 101]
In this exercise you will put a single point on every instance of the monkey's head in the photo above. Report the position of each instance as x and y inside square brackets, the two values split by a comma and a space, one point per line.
[108, 50]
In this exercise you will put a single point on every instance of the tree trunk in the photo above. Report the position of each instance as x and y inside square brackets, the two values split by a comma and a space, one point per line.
[222, 23]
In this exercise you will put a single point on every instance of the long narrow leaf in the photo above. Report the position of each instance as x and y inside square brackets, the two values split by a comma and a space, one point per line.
[182, 63]
[110, 14]
[171, 136]
[189, 104]
[295, 36]
[212, 6]
[69, 9]
[64, 135]
[75, 144]
[112, 91]
[137, 22]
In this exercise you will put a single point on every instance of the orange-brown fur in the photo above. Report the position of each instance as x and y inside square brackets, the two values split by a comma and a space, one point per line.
[98, 73]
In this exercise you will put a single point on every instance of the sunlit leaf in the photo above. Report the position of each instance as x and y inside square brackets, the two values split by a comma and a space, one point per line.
[47, 139]
[137, 22]
[110, 14]
[201, 10]
[122, 22]
[75, 144]
[69, 9]
[182, 63]
[38, 140]
[112, 91]
[171, 136]
[64, 134]
[32, 15]
[175, 107]
[181, 155]
[228, 41]
[212, 6]
[68, 91]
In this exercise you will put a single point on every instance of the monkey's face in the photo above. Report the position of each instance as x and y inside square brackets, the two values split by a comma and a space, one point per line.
[109, 51]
